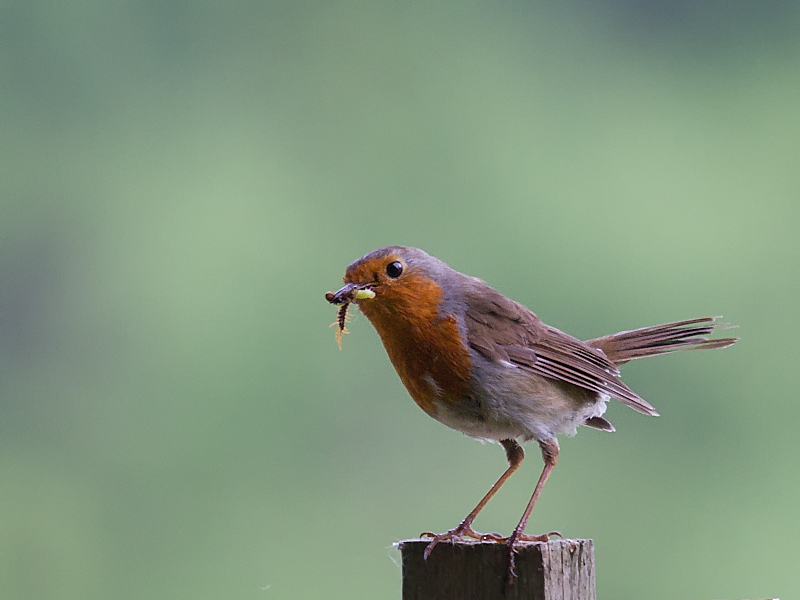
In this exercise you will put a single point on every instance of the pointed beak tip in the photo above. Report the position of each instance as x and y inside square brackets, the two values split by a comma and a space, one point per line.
[349, 293]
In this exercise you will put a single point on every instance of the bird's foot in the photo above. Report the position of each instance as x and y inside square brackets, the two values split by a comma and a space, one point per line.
[519, 537]
[512, 540]
[464, 530]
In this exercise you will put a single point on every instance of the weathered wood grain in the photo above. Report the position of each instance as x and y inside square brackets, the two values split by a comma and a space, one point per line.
[471, 570]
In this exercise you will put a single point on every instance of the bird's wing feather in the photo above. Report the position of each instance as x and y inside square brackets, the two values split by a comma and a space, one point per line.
[503, 330]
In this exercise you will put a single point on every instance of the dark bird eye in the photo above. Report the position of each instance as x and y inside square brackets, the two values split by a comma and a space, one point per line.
[394, 269]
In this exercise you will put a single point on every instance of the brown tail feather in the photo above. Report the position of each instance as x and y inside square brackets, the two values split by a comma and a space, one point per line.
[662, 339]
[599, 423]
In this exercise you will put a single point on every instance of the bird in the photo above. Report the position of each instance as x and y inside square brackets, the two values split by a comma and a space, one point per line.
[487, 366]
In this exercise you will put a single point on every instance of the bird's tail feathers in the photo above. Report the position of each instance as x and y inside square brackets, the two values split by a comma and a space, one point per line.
[662, 339]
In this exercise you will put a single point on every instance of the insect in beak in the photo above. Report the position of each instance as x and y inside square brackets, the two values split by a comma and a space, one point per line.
[342, 299]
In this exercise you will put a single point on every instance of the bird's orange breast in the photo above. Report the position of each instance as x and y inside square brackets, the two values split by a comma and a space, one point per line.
[425, 347]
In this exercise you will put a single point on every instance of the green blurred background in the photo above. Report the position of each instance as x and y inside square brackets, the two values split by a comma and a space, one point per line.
[182, 181]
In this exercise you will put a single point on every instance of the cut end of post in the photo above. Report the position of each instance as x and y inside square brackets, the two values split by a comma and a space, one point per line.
[468, 570]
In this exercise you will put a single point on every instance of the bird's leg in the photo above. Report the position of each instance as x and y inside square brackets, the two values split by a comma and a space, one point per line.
[550, 456]
[514, 454]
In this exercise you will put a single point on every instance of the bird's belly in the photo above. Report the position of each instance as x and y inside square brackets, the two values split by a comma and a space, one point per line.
[512, 402]
[472, 416]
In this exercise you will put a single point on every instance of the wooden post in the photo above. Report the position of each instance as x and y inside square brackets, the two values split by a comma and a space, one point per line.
[471, 570]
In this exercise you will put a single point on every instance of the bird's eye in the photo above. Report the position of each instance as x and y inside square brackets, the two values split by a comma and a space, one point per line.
[394, 269]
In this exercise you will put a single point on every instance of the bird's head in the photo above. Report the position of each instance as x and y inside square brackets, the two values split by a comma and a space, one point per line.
[395, 282]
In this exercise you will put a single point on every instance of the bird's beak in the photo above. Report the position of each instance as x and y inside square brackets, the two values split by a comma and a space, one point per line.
[351, 292]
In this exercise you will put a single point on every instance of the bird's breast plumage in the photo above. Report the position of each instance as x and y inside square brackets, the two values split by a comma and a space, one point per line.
[425, 345]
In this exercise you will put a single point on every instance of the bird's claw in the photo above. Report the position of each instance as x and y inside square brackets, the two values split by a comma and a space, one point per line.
[521, 537]
[545, 537]
[462, 531]
[512, 540]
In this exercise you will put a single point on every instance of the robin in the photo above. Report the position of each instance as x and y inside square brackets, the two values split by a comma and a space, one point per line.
[487, 366]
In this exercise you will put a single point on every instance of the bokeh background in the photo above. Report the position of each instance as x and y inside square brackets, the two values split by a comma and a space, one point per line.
[180, 183]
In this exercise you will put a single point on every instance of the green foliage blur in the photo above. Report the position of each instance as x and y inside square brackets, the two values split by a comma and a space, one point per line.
[181, 182]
